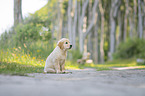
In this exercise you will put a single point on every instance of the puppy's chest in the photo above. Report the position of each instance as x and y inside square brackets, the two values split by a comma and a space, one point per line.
[62, 57]
[62, 60]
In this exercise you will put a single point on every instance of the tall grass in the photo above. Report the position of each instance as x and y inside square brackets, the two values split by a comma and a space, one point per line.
[30, 58]
[16, 61]
[26, 59]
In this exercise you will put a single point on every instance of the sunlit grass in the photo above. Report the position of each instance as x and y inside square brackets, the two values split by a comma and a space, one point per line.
[71, 65]
[17, 62]
[18, 56]
[98, 67]
[18, 69]
[115, 63]
[125, 63]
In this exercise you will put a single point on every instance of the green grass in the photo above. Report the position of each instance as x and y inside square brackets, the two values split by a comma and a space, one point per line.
[115, 63]
[17, 62]
[98, 67]
[18, 69]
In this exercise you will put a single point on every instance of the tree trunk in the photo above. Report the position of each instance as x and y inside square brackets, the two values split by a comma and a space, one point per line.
[70, 20]
[120, 28]
[131, 27]
[90, 45]
[91, 24]
[93, 19]
[82, 35]
[112, 38]
[113, 14]
[74, 27]
[125, 20]
[134, 18]
[60, 20]
[84, 30]
[131, 23]
[140, 27]
[81, 40]
[102, 33]
[17, 12]
[144, 18]
[95, 53]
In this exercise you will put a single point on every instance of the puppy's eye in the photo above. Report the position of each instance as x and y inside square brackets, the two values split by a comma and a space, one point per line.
[66, 42]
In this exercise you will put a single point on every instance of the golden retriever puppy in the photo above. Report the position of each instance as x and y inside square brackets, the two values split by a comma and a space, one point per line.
[55, 62]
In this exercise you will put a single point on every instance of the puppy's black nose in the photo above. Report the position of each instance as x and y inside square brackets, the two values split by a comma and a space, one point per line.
[70, 47]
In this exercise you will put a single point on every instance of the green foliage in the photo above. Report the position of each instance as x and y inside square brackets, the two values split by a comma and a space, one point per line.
[39, 49]
[27, 32]
[31, 32]
[74, 55]
[43, 13]
[130, 49]
[33, 29]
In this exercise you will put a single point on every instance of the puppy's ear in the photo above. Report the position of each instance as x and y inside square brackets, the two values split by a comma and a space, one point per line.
[60, 44]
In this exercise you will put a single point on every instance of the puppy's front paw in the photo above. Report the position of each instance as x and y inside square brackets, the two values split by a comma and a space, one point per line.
[58, 72]
[63, 71]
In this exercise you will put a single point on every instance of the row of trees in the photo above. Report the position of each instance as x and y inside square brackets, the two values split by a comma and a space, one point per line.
[95, 26]
[94, 23]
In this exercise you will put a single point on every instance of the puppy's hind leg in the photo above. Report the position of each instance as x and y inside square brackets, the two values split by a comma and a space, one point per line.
[49, 70]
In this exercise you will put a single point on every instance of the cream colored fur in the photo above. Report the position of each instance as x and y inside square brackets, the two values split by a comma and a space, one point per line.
[55, 62]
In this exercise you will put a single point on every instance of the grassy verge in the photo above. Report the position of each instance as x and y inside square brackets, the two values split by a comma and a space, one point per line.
[13, 68]
[113, 64]
[17, 62]
[19, 69]
[124, 63]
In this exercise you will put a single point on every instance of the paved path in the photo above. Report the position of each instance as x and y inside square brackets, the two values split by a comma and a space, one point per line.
[87, 82]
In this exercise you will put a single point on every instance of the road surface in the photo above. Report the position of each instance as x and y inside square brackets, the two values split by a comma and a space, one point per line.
[86, 82]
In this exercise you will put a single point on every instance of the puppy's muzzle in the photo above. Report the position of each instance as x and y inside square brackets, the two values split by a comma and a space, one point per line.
[70, 47]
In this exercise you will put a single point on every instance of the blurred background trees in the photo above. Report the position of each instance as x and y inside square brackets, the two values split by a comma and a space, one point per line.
[17, 12]
[108, 29]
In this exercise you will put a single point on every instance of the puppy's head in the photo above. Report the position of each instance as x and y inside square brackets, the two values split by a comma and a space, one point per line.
[64, 44]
